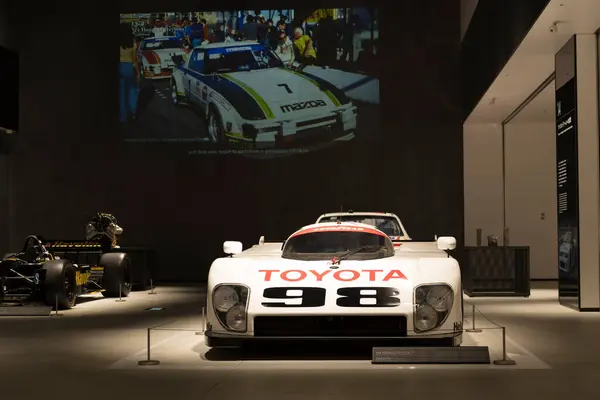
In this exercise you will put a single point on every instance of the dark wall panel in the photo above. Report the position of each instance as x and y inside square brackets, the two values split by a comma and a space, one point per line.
[71, 162]
[495, 32]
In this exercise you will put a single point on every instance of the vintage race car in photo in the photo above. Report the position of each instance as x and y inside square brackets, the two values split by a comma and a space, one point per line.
[155, 56]
[566, 261]
[336, 280]
[248, 96]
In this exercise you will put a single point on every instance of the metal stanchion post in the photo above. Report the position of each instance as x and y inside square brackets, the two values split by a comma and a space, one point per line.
[120, 299]
[152, 287]
[473, 329]
[203, 323]
[56, 314]
[505, 360]
[148, 360]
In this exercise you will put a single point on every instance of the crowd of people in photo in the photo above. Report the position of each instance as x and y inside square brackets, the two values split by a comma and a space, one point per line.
[326, 43]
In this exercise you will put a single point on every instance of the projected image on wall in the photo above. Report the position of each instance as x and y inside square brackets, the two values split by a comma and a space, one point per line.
[263, 80]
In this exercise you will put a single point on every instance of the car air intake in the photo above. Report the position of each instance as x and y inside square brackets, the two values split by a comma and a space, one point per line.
[330, 326]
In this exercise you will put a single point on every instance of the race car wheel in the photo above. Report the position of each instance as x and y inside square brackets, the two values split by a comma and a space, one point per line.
[60, 286]
[116, 280]
[216, 132]
[175, 98]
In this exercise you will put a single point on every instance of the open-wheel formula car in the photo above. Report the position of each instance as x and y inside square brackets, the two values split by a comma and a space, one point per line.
[38, 274]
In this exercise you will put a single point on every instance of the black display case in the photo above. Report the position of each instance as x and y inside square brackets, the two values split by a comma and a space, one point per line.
[494, 271]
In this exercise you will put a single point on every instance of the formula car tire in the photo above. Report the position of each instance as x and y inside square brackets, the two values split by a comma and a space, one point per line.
[60, 286]
[116, 280]
[214, 121]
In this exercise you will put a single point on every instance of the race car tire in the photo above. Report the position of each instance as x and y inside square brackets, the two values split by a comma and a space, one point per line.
[116, 280]
[60, 286]
[175, 98]
[214, 125]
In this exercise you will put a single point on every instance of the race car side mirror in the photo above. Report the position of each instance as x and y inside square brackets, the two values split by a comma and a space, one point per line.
[230, 248]
[446, 243]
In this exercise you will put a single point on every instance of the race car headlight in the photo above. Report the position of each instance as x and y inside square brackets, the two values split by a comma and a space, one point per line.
[229, 303]
[236, 318]
[426, 318]
[224, 298]
[440, 298]
[433, 304]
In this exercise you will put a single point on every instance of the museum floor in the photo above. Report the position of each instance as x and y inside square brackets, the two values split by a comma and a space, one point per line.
[92, 351]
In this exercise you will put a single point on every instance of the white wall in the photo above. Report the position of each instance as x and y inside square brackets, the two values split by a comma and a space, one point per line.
[467, 8]
[530, 179]
[588, 170]
[483, 190]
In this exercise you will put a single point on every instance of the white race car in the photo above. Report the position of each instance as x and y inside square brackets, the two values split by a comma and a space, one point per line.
[155, 56]
[337, 280]
[248, 96]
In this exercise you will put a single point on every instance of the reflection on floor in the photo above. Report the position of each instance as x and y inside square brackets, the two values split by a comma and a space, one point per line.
[182, 347]
[100, 342]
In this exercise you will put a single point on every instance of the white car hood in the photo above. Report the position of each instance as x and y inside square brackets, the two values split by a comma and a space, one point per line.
[268, 86]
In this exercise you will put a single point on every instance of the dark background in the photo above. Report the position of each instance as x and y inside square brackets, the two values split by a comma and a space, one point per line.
[497, 28]
[70, 162]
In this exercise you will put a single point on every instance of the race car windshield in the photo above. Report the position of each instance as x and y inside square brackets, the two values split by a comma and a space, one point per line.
[388, 225]
[326, 245]
[162, 45]
[246, 60]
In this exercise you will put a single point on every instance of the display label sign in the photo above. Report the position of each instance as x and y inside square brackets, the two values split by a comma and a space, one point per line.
[567, 189]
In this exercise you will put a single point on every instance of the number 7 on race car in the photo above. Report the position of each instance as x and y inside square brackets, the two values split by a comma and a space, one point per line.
[347, 297]
[286, 87]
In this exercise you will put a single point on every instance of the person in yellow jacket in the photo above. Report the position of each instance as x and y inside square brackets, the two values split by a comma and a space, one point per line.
[303, 44]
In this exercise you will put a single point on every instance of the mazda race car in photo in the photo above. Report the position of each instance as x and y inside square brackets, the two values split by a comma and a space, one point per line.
[335, 280]
[155, 56]
[248, 96]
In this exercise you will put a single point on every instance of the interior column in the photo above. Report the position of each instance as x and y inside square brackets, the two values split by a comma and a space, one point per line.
[578, 173]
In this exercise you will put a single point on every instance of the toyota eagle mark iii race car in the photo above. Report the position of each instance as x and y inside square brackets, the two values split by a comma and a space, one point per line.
[55, 272]
[155, 56]
[335, 280]
[248, 96]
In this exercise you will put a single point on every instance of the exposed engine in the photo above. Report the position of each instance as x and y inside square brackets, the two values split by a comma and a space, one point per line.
[104, 228]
